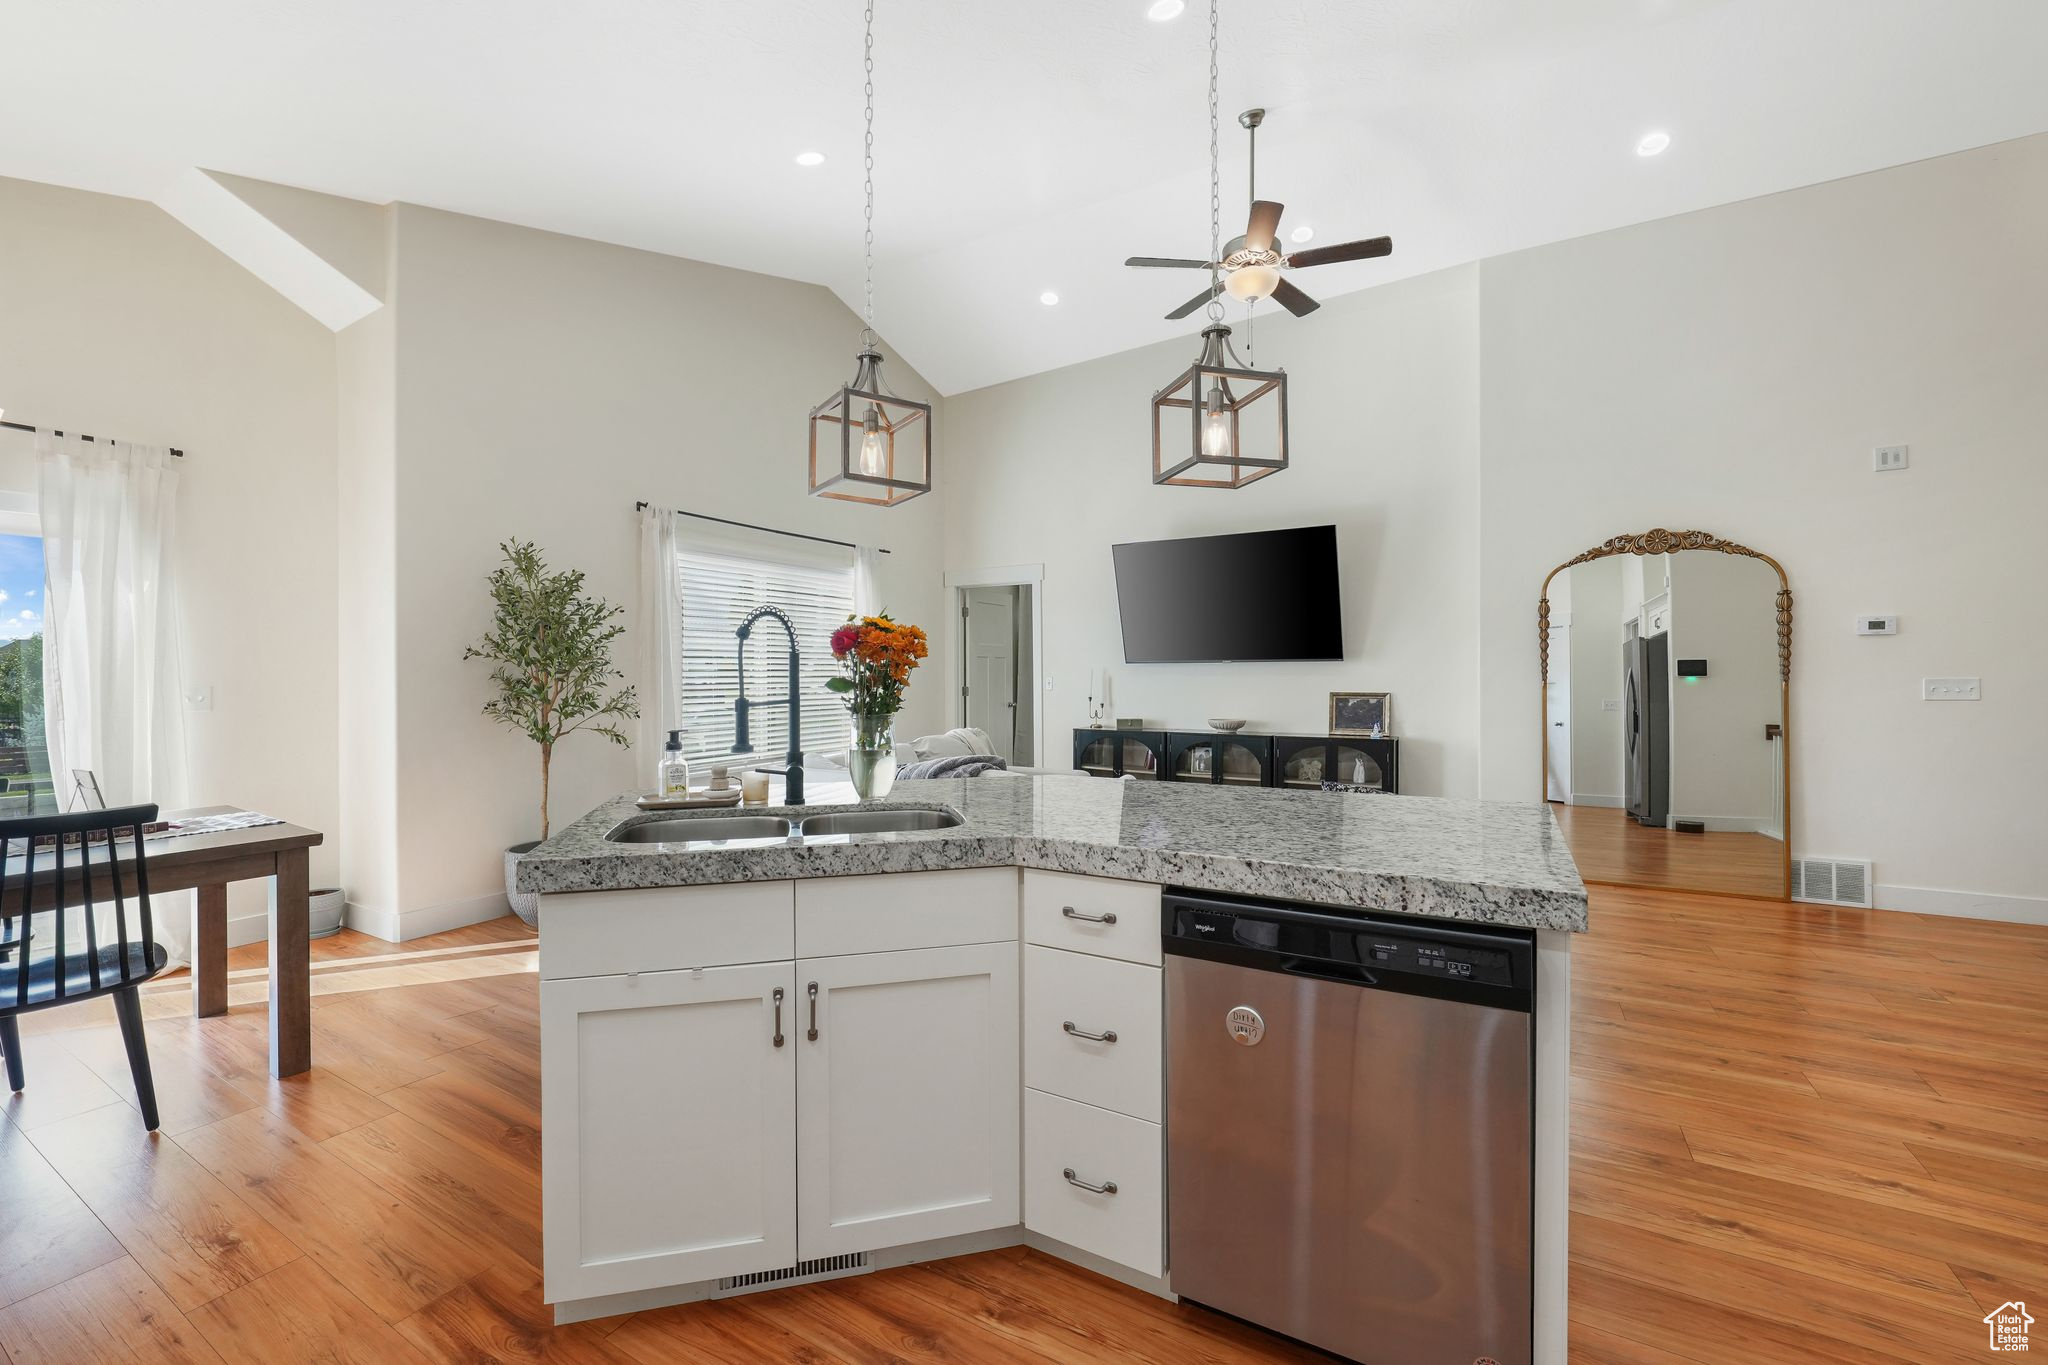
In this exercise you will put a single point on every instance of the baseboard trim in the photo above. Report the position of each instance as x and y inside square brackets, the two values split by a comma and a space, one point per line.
[1927, 900]
[248, 929]
[1607, 802]
[399, 926]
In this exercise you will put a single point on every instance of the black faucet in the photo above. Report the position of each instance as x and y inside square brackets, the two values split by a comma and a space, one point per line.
[793, 786]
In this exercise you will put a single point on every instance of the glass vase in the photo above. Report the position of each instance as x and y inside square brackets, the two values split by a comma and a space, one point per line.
[872, 760]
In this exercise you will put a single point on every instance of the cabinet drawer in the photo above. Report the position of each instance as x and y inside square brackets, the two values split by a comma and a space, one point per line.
[1092, 915]
[836, 916]
[610, 933]
[1095, 995]
[1129, 1226]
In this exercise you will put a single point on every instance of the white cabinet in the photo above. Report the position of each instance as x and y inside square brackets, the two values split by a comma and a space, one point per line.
[1095, 1180]
[1092, 1030]
[907, 1098]
[669, 1112]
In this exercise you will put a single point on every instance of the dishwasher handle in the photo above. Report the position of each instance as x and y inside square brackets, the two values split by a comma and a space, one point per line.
[1347, 973]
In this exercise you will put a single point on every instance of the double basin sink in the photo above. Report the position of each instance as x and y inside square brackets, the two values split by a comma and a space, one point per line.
[727, 830]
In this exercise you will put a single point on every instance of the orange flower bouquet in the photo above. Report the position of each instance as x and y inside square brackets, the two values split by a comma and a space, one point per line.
[877, 654]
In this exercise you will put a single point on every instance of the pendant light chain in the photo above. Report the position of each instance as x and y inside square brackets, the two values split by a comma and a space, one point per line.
[1215, 308]
[868, 311]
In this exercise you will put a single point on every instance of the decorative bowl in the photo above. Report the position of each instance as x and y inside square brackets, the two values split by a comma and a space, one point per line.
[1228, 727]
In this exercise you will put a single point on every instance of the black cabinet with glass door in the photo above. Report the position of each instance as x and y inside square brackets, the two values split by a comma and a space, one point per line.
[1243, 759]
[1208, 756]
[1308, 761]
[1121, 753]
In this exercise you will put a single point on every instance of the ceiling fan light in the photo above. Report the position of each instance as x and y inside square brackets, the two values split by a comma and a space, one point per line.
[1252, 282]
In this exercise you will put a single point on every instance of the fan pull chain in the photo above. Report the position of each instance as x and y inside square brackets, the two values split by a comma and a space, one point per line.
[868, 307]
[1215, 309]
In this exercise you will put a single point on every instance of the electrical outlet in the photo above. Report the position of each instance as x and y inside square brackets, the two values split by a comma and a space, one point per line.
[1610, 706]
[1951, 689]
[1048, 682]
[1887, 458]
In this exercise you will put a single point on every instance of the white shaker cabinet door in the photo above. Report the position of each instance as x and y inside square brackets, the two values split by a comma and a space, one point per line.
[669, 1122]
[908, 1097]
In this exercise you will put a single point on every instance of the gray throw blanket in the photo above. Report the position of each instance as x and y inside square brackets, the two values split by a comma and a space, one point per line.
[954, 765]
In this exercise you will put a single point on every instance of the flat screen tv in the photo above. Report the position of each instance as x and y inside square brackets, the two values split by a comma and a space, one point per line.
[1258, 595]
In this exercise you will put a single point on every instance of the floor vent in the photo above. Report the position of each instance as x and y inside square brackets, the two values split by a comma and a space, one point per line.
[803, 1272]
[1831, 881]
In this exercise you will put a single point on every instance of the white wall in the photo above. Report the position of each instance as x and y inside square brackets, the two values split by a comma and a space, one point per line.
[1056, 468]
[1599, 744]
[544, 384]
[115, 320]
[1731, 370]
[1723, 770]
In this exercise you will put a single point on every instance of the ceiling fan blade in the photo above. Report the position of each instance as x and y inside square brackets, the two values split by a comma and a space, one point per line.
[1192, 304]
[1343, 251]
[1264, 223]
[1167, 263]
[1293, 300]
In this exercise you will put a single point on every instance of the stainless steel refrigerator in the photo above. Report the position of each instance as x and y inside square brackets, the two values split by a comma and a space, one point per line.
[1646, 664]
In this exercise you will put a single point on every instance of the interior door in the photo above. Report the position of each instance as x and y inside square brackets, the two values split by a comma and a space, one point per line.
[670, 1112]
[1557, 717]
[992, 665]
[907, 1098]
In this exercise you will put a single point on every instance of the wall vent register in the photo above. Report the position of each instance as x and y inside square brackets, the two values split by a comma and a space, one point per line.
[1831, 881]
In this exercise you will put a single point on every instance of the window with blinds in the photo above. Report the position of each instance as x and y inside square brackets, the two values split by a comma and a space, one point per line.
[718, 589]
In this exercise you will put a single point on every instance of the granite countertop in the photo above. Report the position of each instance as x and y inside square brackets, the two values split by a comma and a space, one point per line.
[1482, 861]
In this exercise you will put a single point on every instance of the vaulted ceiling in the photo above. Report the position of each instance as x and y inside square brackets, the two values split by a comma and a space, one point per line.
[1021, 148]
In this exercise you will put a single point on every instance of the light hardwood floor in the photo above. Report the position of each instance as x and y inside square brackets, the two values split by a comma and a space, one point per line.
[1610, 847]
[1798, 1135]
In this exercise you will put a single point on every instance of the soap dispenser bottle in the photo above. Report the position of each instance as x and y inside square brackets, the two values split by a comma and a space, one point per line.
[674, 777]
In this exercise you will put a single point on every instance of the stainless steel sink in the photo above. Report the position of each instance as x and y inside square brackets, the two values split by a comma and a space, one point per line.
[710, 829]
[875, 822]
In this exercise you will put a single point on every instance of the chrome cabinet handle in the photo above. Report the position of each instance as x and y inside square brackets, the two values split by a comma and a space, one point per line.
[813, 1035]
[1106, 1187]
[1106, 1036]
[1106, 917]
[778, 1016]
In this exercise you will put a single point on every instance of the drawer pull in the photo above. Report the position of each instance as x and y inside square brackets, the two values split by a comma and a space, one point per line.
[1106, 1187]
[778, 1016]
[813, 1035]
[1106, 1036]
[1106, 917]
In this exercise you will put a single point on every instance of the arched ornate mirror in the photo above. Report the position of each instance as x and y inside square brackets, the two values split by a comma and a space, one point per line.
[1666, 666]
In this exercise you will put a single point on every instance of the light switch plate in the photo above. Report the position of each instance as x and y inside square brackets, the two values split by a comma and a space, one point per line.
[1951, 689]
[1610, 706]
[1887, 458]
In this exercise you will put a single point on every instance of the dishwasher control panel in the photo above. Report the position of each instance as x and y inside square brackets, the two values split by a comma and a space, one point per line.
[1365, 948]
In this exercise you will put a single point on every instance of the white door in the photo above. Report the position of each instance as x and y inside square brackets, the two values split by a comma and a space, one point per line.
[1557, 718]
[992, 665]
[907, 1098]
[669, 1109]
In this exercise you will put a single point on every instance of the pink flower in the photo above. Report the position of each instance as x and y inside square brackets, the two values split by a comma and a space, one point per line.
[844, 639]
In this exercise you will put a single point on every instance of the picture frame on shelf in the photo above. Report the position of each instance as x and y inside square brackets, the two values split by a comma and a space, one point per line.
[1361, 715]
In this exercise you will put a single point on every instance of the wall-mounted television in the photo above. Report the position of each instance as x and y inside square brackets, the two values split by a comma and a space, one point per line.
[1256, 595]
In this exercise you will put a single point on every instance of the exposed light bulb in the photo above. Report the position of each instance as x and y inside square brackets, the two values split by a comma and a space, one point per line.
[1216, 441]
[1252, 282]
[871, 462]
[810, 158]
[1653, 143]
[1048, 298]
[1163, 10]
[1302, 234]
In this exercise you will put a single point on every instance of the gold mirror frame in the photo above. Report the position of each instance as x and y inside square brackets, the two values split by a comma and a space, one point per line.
[1659, 542]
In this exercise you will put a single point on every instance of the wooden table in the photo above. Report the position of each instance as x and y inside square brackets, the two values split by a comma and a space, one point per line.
[206, 863]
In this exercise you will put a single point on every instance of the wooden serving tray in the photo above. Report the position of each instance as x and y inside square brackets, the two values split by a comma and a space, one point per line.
[699, 798]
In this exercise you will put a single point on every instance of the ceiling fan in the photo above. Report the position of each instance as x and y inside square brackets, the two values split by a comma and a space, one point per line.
[1250, 266]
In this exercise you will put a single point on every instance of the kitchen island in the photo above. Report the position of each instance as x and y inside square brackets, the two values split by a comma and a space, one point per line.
[780, 1058]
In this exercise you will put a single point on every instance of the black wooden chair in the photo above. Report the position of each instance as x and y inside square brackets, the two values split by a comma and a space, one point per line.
[42, 963]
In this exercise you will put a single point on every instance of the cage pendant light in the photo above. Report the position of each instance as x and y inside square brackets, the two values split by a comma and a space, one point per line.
[867, 443]
[1221, 423]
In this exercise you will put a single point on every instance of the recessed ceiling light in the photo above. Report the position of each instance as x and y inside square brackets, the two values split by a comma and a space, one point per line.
[1163, 10]
[810, 158]
[1653, 143]
[1302, 233]
[1048, 298]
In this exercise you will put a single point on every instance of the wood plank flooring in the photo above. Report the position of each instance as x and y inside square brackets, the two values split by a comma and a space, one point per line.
[1610, 847]
[1799, 1134]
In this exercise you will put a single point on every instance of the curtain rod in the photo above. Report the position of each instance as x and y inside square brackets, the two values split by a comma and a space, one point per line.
[749, 526]
[23, 426]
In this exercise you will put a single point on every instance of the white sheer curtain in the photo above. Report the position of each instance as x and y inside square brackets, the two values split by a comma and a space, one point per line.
[867, 592]
[661, 626]
[111, 681]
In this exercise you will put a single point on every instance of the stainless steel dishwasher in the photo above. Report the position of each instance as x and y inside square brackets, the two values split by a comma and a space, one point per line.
[1350, 1127]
